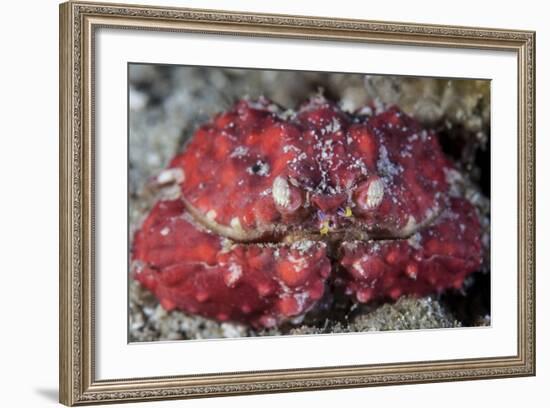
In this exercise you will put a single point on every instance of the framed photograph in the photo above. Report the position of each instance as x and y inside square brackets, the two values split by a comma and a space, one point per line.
[256, 203]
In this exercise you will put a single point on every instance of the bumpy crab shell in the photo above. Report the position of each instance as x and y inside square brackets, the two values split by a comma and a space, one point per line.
[269, 205]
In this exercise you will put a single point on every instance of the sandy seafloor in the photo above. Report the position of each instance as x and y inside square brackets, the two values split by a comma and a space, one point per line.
[168, 103]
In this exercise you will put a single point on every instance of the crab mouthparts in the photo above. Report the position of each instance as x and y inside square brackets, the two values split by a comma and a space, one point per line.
[330, 223]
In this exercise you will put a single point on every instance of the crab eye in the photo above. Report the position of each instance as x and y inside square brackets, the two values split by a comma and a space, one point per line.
[287, 198]
[260, 168]
[370, 194]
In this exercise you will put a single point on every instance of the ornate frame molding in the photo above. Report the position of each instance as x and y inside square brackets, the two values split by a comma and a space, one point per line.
[78, 21]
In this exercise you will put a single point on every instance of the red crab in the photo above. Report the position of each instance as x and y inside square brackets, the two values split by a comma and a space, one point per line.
[273, 207]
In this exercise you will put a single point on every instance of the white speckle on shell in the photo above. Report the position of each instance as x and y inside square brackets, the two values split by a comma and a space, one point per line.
[385, 166]
[357, 265]
[303, 246]
[235, 273]
[239, 152]
[281, 191]
[165, 231]
[298, 263]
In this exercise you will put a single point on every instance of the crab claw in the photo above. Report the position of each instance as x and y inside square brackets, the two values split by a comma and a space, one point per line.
[189, 268]
[439, 257]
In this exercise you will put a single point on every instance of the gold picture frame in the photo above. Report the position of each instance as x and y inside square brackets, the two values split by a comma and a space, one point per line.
[78, 23]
